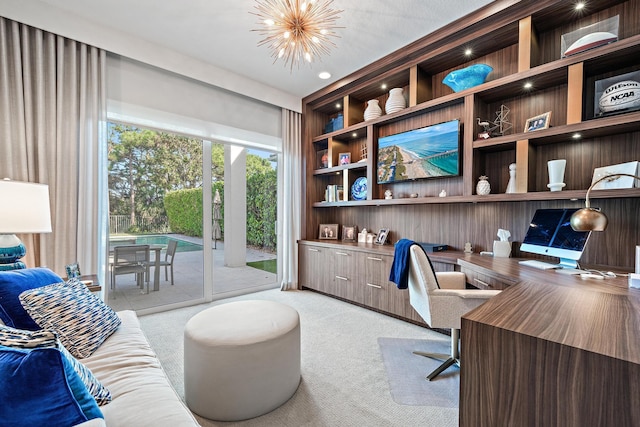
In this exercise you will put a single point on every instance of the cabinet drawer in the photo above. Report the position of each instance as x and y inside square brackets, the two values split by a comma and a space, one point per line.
[484, 281]
[344, 270]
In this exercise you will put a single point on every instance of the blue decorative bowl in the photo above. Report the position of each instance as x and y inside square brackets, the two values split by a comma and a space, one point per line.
[359, 189]
[465, 78]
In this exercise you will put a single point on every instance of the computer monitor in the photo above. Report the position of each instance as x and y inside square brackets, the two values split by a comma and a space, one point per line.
[550, 233]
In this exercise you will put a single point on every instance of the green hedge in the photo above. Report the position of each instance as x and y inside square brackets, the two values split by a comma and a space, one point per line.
[184, 209]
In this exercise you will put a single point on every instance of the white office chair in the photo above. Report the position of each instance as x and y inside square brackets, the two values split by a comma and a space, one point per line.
[441, 299]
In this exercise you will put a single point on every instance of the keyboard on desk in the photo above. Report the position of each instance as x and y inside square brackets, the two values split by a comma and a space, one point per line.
[538, 264]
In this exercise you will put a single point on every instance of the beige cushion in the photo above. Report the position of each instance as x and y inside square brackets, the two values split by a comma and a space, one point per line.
[241, 359]
[142, 394]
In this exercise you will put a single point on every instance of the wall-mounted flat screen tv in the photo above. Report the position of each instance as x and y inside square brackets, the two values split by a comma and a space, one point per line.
[429, 152]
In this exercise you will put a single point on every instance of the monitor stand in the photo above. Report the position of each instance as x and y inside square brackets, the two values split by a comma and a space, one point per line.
[569, 266]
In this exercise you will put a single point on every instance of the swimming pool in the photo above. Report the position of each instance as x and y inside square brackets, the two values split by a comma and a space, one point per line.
[183, 245]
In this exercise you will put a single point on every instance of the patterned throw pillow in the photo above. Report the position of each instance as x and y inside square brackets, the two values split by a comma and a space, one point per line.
[17, 338]
[80, 319]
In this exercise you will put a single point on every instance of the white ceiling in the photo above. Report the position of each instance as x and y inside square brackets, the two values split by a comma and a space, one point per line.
[218, 33]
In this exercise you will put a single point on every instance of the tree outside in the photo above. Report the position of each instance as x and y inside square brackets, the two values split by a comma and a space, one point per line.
[150, 171]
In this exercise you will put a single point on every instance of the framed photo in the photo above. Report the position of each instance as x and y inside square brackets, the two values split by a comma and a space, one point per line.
[382, 236]
[73, 270]
[538, 122]
[344, 158]
[349, 233]
[328, 231]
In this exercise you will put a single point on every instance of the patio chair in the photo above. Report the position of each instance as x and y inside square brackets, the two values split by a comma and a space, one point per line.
[169, 256]
[131, 259]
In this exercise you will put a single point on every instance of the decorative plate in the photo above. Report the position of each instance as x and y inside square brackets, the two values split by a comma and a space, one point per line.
[359, 189]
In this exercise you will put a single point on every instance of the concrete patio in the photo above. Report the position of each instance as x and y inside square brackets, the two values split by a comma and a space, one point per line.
[188, 276]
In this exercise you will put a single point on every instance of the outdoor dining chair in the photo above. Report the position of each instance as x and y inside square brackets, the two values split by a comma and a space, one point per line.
[131, 259]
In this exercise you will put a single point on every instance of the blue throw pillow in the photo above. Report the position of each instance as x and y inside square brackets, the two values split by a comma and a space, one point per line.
[18, 338]
[12, 284]
[39, 387]
[80, 319]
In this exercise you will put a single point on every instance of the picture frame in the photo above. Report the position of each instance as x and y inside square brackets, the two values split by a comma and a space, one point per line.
[73, 270]
[350, 233]
[538, 122]
[344, 158]
[381, 238]
[328, 232]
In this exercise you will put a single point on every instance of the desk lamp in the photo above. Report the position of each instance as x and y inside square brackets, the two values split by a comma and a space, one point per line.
[24, 208]
[588, 218]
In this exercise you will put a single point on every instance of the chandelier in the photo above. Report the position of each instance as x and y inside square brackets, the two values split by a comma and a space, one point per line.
[296, 30]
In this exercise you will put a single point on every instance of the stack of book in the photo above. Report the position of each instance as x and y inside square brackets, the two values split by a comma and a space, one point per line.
[334, 193]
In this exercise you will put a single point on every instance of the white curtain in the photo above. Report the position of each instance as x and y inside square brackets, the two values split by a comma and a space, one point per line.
[291, 197]
[52, 111]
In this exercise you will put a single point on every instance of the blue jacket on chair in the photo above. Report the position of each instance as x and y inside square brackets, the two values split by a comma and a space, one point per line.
[399, 273]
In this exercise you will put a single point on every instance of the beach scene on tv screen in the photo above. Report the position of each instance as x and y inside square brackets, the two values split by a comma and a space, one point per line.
[427, 152]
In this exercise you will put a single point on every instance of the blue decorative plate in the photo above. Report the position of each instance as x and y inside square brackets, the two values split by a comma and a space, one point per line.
[359, 189]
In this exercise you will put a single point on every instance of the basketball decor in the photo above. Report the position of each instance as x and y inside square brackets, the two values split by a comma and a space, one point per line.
[620, 96]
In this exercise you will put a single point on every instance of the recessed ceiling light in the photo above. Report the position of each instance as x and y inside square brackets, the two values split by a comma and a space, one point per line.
[468, 52]
[355, 135]
[383, 86]
[325, 75]
[528, 85]
[338, 105]
[576, 136]
[580, 5]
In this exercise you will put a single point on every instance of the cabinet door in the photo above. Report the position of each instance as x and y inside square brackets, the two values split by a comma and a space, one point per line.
[313, 266]
[345, 272]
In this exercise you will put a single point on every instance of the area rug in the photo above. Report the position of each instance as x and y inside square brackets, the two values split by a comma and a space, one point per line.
[407, 372]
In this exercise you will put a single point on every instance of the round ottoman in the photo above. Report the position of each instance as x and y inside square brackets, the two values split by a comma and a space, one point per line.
[241, 359]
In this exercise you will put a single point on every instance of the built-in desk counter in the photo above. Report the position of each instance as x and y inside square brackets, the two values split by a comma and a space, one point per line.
[554, 350]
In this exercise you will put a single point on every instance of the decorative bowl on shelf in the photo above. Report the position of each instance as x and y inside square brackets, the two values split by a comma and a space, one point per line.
[359, 189]
[466, 78]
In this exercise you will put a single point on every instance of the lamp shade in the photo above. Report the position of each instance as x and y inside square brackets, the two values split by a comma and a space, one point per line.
[24, 207]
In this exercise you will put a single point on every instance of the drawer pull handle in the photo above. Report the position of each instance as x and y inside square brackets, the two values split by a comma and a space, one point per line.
[483, 283]
[313, 250]
[342, 253]
[374, 259]
[374, 286]
[342, 278]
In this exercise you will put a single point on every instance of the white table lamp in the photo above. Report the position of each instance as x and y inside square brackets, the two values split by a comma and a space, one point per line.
[24, 208]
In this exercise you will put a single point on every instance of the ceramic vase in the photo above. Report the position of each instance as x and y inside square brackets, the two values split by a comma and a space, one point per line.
[373, 110]
[483, 187]
[511, 186]
[396, 101]
[556, 174]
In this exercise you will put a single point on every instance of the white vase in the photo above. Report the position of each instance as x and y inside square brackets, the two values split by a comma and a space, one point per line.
[373, 110]
[511, 186]
[396, 101]
[556, 174]
[483, 187]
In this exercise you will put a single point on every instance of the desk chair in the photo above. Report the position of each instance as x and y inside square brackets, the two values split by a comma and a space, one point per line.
[167, 262]
[131, 259]
[441, 299]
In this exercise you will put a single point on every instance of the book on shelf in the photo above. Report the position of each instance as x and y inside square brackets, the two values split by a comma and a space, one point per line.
[334, 193]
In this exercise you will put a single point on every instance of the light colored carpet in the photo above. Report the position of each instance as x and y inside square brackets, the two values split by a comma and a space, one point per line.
[344, 382]
[407, 372]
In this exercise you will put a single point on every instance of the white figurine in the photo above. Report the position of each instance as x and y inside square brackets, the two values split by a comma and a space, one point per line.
[467, 248]
[388, 195]
[443, 193]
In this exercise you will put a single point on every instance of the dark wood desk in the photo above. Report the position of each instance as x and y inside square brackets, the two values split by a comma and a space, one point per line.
[550, 350]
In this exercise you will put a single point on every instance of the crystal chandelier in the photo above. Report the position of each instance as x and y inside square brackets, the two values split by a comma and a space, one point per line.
[296, 30]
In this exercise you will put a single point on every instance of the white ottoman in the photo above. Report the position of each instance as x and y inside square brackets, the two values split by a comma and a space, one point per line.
[241, 359]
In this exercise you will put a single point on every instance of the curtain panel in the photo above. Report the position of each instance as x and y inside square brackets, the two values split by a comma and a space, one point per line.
[52, 128]
[291, 197]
